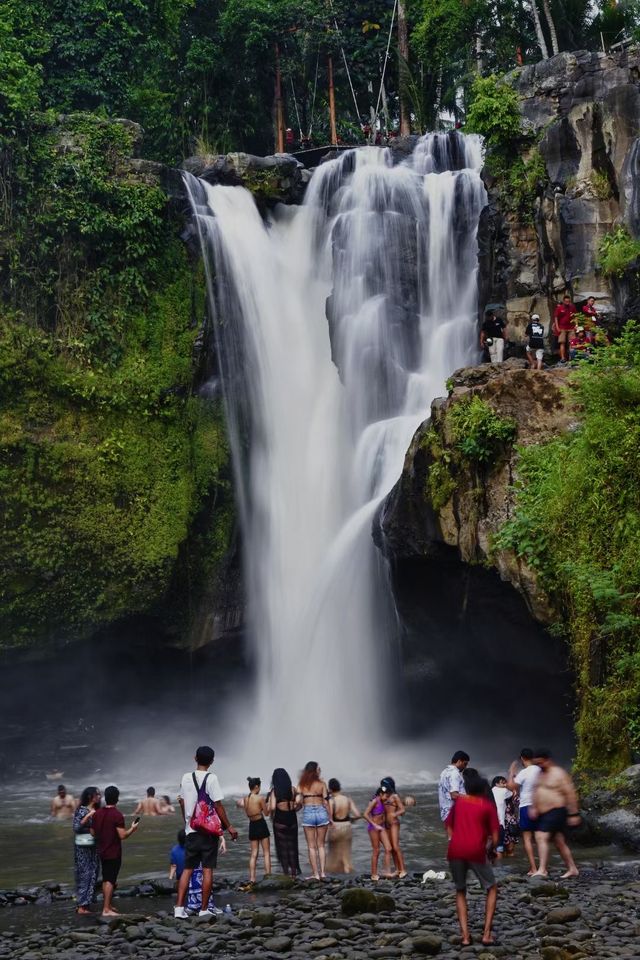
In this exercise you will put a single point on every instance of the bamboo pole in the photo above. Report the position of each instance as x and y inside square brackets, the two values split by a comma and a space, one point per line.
[332, 103]
[280, 126]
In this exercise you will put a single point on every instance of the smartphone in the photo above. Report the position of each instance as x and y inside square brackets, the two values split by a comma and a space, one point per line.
[136, 819]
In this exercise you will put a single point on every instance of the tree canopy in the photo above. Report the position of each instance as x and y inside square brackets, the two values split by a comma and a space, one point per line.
[203, 70]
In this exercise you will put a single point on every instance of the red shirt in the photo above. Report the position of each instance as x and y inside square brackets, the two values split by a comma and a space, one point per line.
[473, 820]
[104, 824]
[563, 315]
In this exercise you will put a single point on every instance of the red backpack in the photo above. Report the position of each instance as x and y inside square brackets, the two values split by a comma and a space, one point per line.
[205, 816]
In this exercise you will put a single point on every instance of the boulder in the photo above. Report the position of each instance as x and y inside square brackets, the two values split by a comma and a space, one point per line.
[427, 944]
[358, 901]
[564, 914]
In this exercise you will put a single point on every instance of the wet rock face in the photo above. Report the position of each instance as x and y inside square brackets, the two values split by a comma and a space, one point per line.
[480, 501]
[276, 179]
[614, 815]
[583, 109]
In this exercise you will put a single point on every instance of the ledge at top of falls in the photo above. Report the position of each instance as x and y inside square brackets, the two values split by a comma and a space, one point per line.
[278, 178]
[410, 525]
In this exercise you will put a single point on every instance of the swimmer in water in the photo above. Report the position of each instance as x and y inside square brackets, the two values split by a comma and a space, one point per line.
[63, 805]
[150, 806]
[409, 801]
[165, 805]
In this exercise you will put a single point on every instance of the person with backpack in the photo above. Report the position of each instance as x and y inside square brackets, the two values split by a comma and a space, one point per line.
[205, 819]
[534, 335]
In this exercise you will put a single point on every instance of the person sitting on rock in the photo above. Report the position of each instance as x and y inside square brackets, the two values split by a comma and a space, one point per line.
[563, 324]
[492, 336]
[580, 345]
[535, 342]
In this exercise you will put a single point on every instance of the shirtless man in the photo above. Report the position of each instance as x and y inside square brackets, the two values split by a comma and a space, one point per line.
[63, 804]
[149, 806]
[555, 803]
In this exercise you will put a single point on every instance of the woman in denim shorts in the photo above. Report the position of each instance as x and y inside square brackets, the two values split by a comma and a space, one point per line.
[313, 794]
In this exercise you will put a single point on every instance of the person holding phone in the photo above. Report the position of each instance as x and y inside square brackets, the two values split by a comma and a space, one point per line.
[107, 826]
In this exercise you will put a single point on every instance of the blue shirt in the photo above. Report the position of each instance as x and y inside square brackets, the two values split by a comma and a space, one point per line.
[177, 857]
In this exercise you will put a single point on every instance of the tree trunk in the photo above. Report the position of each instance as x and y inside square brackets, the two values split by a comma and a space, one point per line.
[552, 27]
[279, 106]
[332, 103]
[542, 43]
[403, 54]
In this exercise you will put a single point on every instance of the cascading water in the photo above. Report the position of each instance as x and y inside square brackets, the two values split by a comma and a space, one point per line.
[337, 324]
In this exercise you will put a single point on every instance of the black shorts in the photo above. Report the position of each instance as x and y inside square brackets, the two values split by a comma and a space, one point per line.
[110, 870]
[258, 829]
[553, 821]
[201, 849]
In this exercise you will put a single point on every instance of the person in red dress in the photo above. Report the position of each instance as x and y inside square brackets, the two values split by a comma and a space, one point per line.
[473, 822]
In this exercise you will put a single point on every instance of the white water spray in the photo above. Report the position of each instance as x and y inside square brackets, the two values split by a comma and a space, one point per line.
[337, 323]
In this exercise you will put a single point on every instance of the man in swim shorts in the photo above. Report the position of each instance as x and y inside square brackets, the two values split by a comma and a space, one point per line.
[63, 804]
[555, 806]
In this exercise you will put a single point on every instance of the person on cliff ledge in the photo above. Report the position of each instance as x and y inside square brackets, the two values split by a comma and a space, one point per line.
[492, 336]
[563, 324]
[535, 342]
[555, 806]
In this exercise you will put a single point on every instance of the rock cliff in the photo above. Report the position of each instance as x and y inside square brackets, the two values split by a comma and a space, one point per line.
[581, 115]
[447, 496]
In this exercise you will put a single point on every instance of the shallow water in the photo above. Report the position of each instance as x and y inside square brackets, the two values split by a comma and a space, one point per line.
[36, 849]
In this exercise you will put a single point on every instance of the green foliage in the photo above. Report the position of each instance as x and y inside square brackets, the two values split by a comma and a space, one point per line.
[110, 467]
[617, 252]
[494, 113]
[577, 522]
[601, 185]
[522, 181]
[478, 432]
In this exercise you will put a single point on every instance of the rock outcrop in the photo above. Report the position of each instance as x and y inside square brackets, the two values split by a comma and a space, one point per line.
[470, 501]
[581, 112]
[276, 179]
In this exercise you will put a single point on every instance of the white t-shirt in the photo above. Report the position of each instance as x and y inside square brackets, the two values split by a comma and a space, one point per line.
[189, 793]
[501, 795]
[526, 780]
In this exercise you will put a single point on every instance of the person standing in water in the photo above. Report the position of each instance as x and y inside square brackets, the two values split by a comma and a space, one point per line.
[150, 806]
[555, 805]
[282, 807]
[523, 784]
[63, 804]
[393, 810]
[108, 827]
[374, 814]
[256, 809]
[343, 812]
[313, 794]
[451, 784]
[85, 853]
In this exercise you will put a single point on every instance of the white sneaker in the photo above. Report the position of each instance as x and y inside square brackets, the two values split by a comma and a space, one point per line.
[179, 913]
[208, 913]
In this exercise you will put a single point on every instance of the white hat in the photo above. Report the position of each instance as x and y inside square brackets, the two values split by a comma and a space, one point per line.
[535, 316]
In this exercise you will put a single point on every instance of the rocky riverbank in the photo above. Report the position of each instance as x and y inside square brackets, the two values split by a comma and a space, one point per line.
[595, 915]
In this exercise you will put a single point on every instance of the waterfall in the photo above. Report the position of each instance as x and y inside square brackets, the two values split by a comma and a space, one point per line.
[337, 323]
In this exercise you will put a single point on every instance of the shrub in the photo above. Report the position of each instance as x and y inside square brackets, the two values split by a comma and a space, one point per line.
[478, 432]
[617, 252]
[494, 112]
[601, 185]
